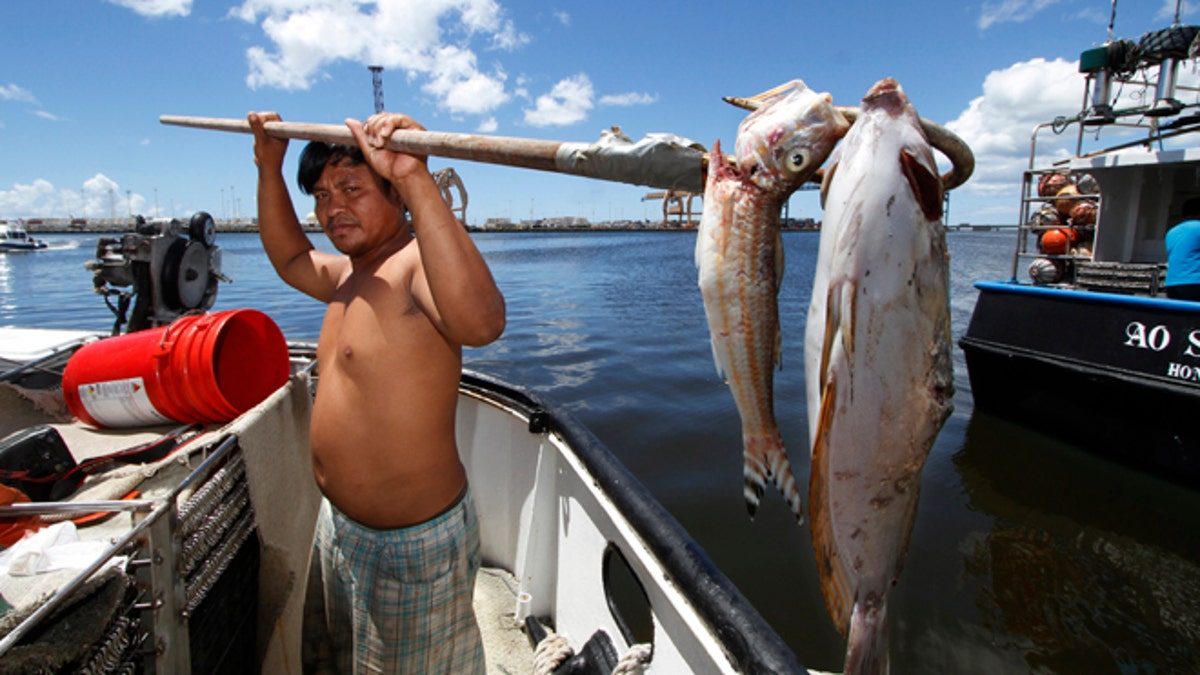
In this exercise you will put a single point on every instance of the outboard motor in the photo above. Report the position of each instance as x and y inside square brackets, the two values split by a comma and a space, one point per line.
[169, 267]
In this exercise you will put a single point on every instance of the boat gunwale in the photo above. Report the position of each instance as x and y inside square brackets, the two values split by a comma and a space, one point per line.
[1090, 296]
[747, 639]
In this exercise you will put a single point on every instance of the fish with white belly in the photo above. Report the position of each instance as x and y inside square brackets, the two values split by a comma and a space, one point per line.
[740, 256]
[879, 374]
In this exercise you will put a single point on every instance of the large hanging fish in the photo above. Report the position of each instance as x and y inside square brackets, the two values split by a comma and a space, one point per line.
[878, 364]
[740, 256]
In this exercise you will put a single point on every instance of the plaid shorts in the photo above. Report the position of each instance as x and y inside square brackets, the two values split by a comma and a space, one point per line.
[393, 601]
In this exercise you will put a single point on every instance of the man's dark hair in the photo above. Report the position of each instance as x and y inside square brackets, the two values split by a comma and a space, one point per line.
[317, 155]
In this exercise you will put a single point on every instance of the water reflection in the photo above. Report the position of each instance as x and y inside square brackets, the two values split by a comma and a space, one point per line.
[1088, 568]
[1027, 555]
[5, 284]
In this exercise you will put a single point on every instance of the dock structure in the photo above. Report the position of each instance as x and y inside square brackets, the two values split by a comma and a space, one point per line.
[449, 183]
[677, 207]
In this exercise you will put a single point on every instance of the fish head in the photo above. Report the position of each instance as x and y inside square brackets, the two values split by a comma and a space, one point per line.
[783, 143]
[887, 95]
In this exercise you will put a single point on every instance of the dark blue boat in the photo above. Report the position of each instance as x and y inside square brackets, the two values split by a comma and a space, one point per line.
[1082, 342]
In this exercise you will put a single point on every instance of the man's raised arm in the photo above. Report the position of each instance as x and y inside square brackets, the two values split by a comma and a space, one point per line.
[462, 297]
[292, 254]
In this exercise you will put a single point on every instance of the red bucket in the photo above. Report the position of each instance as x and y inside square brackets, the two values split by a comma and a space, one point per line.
[206, 368]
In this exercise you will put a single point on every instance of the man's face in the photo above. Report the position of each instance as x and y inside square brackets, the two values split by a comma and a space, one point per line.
[353, 208]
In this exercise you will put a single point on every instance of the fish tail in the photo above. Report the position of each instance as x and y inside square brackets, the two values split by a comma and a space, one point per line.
[836, 579]
[867, 646]
[766, 458]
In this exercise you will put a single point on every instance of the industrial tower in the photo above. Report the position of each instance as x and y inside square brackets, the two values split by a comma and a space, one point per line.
[377, 85]
[447, 180]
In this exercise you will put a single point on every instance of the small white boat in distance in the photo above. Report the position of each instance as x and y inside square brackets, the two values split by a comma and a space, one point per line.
[15, 238]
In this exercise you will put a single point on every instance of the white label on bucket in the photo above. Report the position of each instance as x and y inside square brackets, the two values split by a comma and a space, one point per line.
[120, 403]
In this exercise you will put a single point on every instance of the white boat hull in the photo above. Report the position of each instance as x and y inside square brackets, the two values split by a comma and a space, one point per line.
[557, 510]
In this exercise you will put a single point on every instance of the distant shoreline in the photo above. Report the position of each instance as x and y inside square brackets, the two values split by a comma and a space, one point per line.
[122, 225]
[112, 228]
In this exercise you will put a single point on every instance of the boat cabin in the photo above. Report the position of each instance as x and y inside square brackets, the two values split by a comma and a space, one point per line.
[1098, 220]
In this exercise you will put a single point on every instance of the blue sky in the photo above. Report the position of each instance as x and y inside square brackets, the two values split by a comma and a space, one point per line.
[84, 82]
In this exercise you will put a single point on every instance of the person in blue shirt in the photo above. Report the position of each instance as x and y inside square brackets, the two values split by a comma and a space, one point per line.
[1183, 254]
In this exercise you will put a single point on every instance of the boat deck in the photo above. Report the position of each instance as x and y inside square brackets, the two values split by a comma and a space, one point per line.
[505, 644]
[507, 647]
[217, 538]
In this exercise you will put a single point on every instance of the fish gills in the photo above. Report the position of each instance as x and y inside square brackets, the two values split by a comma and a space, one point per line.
[878, 364]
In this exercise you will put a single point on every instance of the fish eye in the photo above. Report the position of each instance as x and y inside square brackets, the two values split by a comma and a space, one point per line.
[797, 160]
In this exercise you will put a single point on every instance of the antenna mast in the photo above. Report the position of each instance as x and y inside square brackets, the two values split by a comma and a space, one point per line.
[377, 86]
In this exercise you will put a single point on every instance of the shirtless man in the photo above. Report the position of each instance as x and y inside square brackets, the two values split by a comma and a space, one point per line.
[397, 533]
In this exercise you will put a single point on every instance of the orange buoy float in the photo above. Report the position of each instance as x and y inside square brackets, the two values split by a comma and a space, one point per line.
[1046, 217]
[1083, 214]
[1051, 183]
[1068, 202]
[1055, 242]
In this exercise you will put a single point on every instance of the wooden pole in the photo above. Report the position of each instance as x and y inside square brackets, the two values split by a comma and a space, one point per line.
[526, 153]
[530, 153]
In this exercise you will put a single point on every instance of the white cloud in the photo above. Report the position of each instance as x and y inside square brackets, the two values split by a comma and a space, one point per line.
[488, 126]
[509, 38]
[563, 17]
[101, 184]
[1167, 11]
[456, 81]
[430, 40]
[1014, 11]
[629, 98]
[998, 125]
[567, 103]
[47, 115]
[157, 8]
[98, 197]
[25, 201]
[14, 93]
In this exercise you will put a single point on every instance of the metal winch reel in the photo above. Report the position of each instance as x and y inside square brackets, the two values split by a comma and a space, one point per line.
[166, 267]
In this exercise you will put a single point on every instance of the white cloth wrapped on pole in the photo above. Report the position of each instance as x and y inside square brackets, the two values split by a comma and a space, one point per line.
[661, 160]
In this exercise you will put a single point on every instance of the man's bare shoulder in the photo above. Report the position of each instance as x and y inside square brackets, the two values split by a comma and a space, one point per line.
[401, 266]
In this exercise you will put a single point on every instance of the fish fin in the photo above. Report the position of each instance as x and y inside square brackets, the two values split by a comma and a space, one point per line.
[778, 357]
[768, 96]
[867, 646]
[754, 480]
[832, 311]
[926, 185]
[827, 175]
[779, 261]
[835, 578]
[765, 457]
[835, 324]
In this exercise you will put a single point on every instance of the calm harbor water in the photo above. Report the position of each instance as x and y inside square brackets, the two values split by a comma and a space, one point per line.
[1028, 555]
